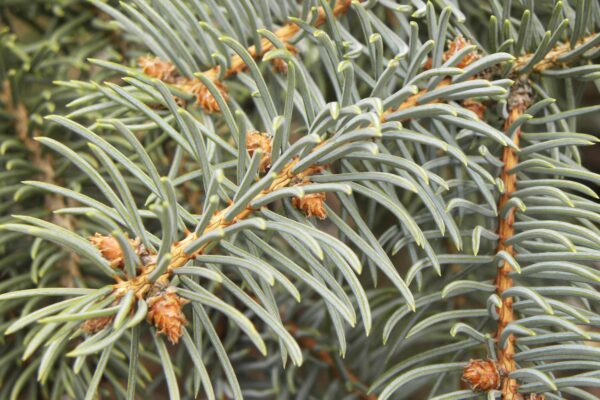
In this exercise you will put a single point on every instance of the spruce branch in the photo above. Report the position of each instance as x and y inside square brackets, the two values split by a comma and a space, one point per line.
[166, 70]
[551, 59]
[555, 57]
[519, 99]
[345, 163]
[143, 284]
[286, 33]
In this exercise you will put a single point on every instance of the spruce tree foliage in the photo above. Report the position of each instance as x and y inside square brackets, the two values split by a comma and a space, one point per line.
[317, 199]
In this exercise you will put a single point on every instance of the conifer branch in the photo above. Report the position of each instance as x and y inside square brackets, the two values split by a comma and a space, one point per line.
[519, 99]
[165, 70]
[552, 58]
[286, 33]
[413, 135]
[142, 285]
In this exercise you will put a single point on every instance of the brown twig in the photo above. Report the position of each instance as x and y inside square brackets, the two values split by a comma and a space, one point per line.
[285, 34]
[550, 60]
[519, 99]
[142, 284]
[166, 71]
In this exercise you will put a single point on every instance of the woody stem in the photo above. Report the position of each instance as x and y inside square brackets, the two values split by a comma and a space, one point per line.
[505, 231]
[141, 284]
[285, 34]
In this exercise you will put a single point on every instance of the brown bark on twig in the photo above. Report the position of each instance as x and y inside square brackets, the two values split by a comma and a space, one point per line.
[142, 285]
[519, 100]
[550, 60]
[166, 71]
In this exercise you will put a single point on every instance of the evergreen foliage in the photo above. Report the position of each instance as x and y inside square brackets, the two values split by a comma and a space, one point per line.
[282, 199]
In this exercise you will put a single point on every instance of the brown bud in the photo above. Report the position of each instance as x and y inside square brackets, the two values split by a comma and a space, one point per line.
[166, 72]
[204, 97]
[109, 248]
[166, 314]
[311, 204]
[257, 140]
[454, 46]
[481, 375]
[157, 68]
[96, 324]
